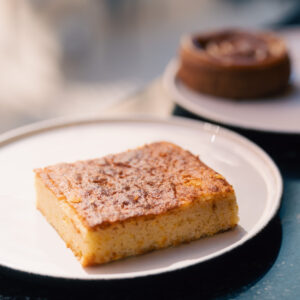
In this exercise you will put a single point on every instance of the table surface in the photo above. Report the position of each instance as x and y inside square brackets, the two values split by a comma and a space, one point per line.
[267, 267]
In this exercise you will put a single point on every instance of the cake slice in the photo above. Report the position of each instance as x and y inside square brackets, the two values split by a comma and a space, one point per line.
[152, 197]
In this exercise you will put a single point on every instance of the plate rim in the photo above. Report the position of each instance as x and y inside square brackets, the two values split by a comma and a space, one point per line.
[63, 122]
[171, 87]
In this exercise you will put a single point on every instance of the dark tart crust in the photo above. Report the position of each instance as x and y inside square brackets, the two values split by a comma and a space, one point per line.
[234, 64]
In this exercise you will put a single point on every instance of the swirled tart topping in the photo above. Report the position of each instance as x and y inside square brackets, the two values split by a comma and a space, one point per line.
[237, 47]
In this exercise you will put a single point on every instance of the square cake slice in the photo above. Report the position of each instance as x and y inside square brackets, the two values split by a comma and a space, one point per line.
[125, 204]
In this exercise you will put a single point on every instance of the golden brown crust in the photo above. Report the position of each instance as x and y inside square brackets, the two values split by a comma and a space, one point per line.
[234, 64]
[147, 181]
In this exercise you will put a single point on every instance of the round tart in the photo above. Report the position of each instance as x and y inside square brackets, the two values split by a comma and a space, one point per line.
[234, 64]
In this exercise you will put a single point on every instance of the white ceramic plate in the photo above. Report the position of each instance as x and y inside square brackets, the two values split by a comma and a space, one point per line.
[279, 114]
[30, 244]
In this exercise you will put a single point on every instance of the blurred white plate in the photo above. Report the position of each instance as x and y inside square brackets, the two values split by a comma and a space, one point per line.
[30, 244]
[279, 114]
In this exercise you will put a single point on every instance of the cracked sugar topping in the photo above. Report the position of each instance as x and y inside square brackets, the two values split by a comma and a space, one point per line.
[145, 181]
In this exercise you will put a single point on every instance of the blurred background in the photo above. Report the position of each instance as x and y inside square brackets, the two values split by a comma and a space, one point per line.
[71, 57]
